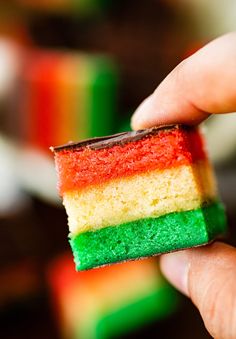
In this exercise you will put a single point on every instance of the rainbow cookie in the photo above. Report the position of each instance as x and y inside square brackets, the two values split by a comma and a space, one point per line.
[66, 96]
[138, 194]
[110, 301]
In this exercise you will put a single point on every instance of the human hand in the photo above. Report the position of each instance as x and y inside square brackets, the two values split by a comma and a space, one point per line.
[201, 85]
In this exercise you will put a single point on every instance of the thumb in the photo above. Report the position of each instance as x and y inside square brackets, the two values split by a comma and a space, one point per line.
[208, 276]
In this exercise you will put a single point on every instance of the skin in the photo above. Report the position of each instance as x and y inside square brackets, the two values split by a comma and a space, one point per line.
[201, 85]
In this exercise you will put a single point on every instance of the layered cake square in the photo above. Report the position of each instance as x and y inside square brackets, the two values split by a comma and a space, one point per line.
[138, 194]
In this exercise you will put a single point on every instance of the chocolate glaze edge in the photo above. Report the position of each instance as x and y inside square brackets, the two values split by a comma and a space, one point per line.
[115, 139]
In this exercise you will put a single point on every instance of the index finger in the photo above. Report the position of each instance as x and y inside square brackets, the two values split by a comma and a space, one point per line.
[202, 84]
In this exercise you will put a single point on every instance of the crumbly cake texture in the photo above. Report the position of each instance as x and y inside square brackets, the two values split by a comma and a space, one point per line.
[105, 302]
[96, 162]
[148, 237]
[138, 194]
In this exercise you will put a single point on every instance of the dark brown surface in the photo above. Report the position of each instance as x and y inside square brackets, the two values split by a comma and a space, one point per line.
[35, 321]
[146, 41]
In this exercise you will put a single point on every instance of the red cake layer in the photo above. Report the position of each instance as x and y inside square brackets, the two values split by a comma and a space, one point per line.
[65, 264]
[78, 168]
[41, 78]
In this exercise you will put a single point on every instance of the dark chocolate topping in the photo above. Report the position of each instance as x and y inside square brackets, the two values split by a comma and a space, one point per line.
[115, 139]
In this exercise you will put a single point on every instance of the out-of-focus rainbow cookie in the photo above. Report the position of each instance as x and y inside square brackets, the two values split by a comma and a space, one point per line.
[110, 301]
[66, 96]
[138, 194]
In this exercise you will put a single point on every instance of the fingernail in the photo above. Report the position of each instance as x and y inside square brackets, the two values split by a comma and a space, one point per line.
[175, 267]
[140, 116]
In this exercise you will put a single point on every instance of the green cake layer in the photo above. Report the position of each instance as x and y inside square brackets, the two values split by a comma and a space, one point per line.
[147, 237]
[156, 305]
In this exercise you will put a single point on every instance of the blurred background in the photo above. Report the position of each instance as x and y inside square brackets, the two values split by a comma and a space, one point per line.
[74, 69]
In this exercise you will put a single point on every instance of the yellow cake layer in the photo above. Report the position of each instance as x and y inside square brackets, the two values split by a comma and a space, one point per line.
[150, 194]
